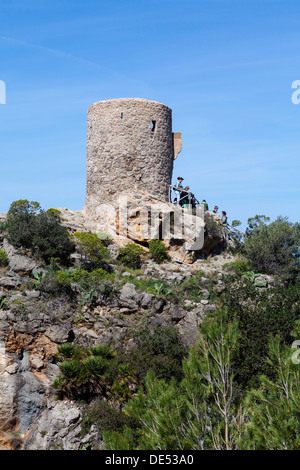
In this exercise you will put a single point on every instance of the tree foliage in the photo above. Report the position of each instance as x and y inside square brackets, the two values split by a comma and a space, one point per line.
[198, 413]
[130, 255]
[30, 227]
[273, 248]
[261, 313]
[274, 408]
[158, 250]
[204, 412]
[92, 251]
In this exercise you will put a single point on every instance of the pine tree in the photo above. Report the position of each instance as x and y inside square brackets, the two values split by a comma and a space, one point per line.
[211, 364]
[274, 408]
[200, 412]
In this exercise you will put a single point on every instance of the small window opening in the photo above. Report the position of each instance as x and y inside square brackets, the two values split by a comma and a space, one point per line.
[122, 116]
[153, 125]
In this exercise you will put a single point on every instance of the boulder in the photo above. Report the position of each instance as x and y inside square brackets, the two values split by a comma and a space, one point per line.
[129, 298]
[140, 218]
[58, 427]
[10, 282]
[59, 333]
[176, 312]
[22, 264]
[18, 262]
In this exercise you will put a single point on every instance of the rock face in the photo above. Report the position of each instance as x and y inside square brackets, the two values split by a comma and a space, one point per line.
[139, 218]
[19, 263]
[32, 327]
[58, 428]
[28, 344]
[130, 147]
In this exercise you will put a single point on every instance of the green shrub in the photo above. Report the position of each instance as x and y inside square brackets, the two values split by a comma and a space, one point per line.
[272, 416]
[89, 279]
[160, 350]
[274, 248]
[152, 286]
[95, 366]
[123, 386]
[240, 265]
[24, 207]
[260, 313]
[102, 350]
[80, 276]
[72, 370]
[92, 282]
[20, 222]
[3, 259]
[69, 351]
[130, 255]
[30, 227]
[91, 249]
[55, 212]
[158, 250]
[105, 238]
[86, 372]
[63, 279]
[255, 224]
[100, 274]
[105, 418]
[54, 282]
[191, 289]
[236, 223]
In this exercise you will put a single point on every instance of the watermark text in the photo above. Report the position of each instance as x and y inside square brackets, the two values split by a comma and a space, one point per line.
[2, 92]
[296, 94]
[296, 354]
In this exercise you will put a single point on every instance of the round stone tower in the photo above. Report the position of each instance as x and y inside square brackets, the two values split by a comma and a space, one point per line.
[130, 149]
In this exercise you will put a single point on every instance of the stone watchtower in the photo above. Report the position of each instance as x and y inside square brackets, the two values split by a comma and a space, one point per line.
[130, 148]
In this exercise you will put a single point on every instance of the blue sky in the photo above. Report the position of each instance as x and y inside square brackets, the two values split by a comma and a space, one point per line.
[225, 67]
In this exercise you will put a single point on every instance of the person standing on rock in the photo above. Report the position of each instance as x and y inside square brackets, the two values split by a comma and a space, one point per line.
[204, 205]
[224, 218]
[178, 191]
[185, 197]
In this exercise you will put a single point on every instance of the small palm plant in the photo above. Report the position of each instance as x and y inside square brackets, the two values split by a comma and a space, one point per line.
[102, 350]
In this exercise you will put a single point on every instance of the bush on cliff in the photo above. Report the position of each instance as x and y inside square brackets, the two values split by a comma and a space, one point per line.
[158, 250]
[92, 250]
[130, 255]
[273, 248]
[93, 371]
[204, 411]
[28, 226]
[59, 280]
[160, 350]
[260, 313]
[3, 259]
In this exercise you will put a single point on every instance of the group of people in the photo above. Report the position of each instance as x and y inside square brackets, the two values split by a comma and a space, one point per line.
[215, 211]
[185, 198]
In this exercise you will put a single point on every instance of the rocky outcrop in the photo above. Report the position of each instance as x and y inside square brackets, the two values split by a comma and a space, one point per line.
[30, 332]
[31, 329]
[33, 325]
[138, 218]
[59, 427]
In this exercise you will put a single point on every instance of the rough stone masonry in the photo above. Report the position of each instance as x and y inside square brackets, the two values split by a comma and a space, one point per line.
[130, 149]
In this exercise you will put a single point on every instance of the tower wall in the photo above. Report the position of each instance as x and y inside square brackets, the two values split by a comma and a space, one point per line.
[129, 149]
